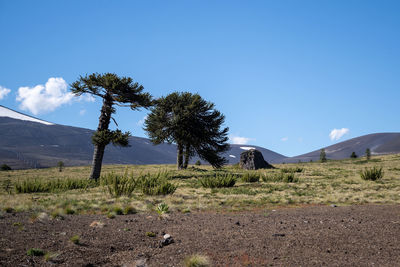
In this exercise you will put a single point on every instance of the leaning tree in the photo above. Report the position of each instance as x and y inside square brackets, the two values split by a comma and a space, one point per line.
[114, 90]
[193, 124]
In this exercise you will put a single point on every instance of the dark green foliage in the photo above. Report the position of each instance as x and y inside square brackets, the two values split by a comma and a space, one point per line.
[372, 174]
[198, 163]
[55, 185]
[75, 239]
[219, 180]
[35, 252]
[119, 185]
[8, 210]
[156, 184]
[5, 167]
[281, 177]
[290, 170]
[368, 153]
[193, 124]
[60, 166]
[118, 210]
[150, 234]
[129, 210]
[250, 177]
[113, 90]
[353, 155]
[322, 155]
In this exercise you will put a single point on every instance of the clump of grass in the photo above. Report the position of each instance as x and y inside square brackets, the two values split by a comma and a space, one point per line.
[55, 185]
[56, 214]
[69, 210]
[156, 184]
[219, 180]
[372, 174]
[50, 256]
[111, 215]
[251, 177]
[8, 210]
[119, 185]
[293, 169]
[35, 252]
[129, 210]
[150, 234]
[197, 261]
[75, 239]
[7, 186]
[162, 208]
[281, 177]
[118, 210]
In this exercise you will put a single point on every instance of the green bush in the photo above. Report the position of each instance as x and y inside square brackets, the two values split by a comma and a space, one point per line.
[251, 177]
[119, 185]
[372, 174]
[197, 261]
[55, 185]
[75, 239]
[5, 167]
[156, 184]
[294, 169]
[35, 252]
[281, 177]
[162, 208]
[219, 180]
[129, 210]
[198, 163]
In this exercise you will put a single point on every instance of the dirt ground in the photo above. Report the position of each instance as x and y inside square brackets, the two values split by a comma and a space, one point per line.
[367, 235]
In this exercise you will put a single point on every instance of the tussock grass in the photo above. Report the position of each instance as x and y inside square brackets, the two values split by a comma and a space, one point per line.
[57, 185]
[218, 181]
[372, 174]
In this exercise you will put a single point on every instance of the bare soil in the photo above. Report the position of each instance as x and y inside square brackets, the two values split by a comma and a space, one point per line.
[367, 235]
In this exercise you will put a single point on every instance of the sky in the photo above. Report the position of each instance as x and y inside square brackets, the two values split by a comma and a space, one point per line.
[290, 76]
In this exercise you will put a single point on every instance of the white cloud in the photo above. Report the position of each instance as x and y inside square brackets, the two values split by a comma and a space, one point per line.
[43, 98]
[3, 92]
[239, 140]
[141, 122]
[284, 139]
[82, 112]
[336, 134]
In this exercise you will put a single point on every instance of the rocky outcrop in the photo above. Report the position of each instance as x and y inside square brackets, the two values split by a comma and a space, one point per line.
[252, 160]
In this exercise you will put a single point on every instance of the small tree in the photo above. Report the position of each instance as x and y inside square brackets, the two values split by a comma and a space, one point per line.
[113, 90]
[353, 155]
[5, 167]
[368, 153]
[60, 166]
[192, 124]
[322, 155]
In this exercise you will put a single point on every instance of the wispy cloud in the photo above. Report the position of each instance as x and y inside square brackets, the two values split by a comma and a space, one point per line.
[239, 140]
[284, 139]
[336, 134]
[141, 122]
[3, 92]
[44, 98]
[82, 112]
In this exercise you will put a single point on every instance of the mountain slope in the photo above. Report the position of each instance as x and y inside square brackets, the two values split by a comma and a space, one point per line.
[33, 143]
[378, 143]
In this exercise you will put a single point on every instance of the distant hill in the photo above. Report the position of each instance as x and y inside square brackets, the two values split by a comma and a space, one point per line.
[378, 143]
[27, 142]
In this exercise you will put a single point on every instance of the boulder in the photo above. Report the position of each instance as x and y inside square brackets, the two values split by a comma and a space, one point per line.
[252, 160]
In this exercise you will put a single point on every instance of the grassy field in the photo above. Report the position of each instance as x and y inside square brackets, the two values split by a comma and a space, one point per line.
[333, 182]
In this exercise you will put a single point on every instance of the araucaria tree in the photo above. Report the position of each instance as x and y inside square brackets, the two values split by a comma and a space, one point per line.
[114, 90]
[322, 155]
[368, 153]
[192, 124]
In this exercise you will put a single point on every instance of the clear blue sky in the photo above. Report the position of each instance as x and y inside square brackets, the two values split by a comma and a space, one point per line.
[285, 73]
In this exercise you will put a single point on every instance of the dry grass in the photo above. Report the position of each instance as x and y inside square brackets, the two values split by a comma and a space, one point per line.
[336, 182]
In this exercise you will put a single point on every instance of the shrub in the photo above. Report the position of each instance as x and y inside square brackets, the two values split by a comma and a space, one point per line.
[55, 185]
[156, 184]
[118, 210]
[35, 252]
[7, 186]
[281, 177]
[162, 208]
[129, 210]
[5, 167]
[218, 181]
[119, 185]
[322, 155]
[197, 261]
[368, 153]
[250, 177]
[75, 239]
[198, 163]
[60, 166]
[372, 174]
[353, 155]
[290, 178]
[111, 215]
[8, 210]
[294, 169]
[150, 234]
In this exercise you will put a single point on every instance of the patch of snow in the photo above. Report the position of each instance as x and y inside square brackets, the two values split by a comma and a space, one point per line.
[5, 112]
[232, 156]
[247, 147]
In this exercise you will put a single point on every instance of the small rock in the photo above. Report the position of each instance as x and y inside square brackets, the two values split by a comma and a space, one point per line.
[282, 235]
[237, 223]
[333, 206]
[166, 236]
[166, 241]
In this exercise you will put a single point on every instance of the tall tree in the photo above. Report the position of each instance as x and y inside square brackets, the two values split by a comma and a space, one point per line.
[114, 90]
[322, 155]
[193, 124]
[368, 153]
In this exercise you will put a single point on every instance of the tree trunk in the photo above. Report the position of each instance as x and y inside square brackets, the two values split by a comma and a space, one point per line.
[104, 122]
[187, 157]
[179, 160]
